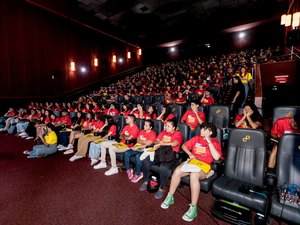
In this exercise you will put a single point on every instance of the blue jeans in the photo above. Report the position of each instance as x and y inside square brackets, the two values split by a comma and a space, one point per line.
[138, 162]
[94, 150]
[63, 138]
[42, 150]
[2, 121]
[22, 126]
[12, 126]
[192, 133]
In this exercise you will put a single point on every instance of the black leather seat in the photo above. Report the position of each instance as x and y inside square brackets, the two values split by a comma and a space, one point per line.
[159, 99]
[140, 123]
[158, 108]
[158, 126]
[137, 99]
[148, 99]
[244, 164]
[284, 111]
[206, 184]
[120, 123]
[288, 172]
[177, 110]
[219, 116]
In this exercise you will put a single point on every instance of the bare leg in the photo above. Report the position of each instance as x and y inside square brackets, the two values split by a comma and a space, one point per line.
[195, 178]
[272, 158]
[176, 178]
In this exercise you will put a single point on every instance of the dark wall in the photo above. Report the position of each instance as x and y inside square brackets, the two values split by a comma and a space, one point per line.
[36, 44]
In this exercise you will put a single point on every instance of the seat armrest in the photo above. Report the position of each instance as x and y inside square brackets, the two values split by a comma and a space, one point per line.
[218, 166]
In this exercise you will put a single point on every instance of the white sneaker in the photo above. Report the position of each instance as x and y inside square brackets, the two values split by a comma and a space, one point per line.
[112, 171]
[26, 152]
[101, 165]
[70, 151]
[28, 138]
[1, 129]
[22, 133]
[60, 146]
[75, 157]
[93, 161]
[70, 146]
[24, 136]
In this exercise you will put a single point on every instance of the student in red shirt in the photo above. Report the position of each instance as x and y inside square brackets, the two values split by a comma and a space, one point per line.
[207, 99]
[250, 118]
[180, 100]
[112, 111]
[128, 134]
[193, 118]
[151, 113]
[283, 126]
[146, 137]
[83, 142]
[125, 110]
[166, 114]
[205, 148]
[168, 141]
[200, 91]
[138, 112]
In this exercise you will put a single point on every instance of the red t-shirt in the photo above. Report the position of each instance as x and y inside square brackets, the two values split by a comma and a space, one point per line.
[191, 120]
[86, 124]
[67, 120]
[181, 100]
[126, 113]
[147, 136]
[130, 131]
[148, 116]
[47, 120]
[169, 137]
[113, 112]
[200, 149]
[113, 130]
[55, 121]
[208, 101]
[200, 92]
[136, 113]
[85, 110]
[97, 124]
[96, 109]
[283, 126]
[70, 109]
[169, 117]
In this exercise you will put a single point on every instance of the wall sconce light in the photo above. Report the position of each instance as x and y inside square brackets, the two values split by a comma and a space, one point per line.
[128, 55]
[286, 19]
[114, 59]
[96, 62]
[72, 66]
[140, 51]
[296, 19]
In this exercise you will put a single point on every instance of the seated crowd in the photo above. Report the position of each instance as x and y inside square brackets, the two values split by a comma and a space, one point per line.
[88, 127]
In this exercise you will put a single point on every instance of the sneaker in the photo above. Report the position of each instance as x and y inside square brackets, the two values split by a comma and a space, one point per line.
[111, 171]
[75, 157]
[93, 161]
[26, 152]
[70, 146]
[22, 134]
[143, 186]
[129, 174]
[70, 151]
[136, 178]
[101, 165]
[60, 146]
[28, 138]
[159, 194]
[168, 201]
[190, 214]
[1, 129]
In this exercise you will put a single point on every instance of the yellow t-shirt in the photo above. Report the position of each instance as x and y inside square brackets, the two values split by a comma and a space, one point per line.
[51, 138]
[245, 78]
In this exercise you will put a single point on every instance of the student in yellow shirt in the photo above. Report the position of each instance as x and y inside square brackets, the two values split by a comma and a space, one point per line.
[49, 145]
[246, 77]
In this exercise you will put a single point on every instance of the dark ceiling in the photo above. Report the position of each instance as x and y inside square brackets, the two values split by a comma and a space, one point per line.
[152, 22]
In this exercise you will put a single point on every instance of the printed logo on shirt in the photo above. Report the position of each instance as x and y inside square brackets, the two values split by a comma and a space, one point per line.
[126, 133]
[191, 119]
[288, 132]
[142, 137]
[166, 139]
[200, 149]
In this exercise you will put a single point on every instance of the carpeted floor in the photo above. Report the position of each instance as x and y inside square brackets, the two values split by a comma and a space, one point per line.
[53, 190]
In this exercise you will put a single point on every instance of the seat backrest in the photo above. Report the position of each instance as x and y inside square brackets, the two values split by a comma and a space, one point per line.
[72, 114]
[159, 99]
[140, 123]
[284, 111]
[185, 130]
[120, 123]
[177, 110]
[120, 99]
[158, 126]
[246, 156]
[138, 99]
[158, 107]
[219, 136]
[147, 99]
[219, 116]
[57, 113]
[288, 160]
